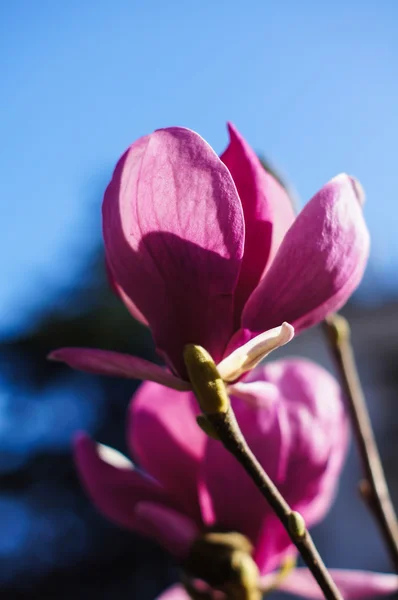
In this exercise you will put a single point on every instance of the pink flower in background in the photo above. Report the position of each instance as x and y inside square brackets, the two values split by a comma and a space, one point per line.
[207, 250]
[293, 418]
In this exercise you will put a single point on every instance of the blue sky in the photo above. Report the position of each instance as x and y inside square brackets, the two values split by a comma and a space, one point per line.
[312, 85]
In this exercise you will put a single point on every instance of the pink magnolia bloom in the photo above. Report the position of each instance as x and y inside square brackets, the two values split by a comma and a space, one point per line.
[292, 416]
[208, 250]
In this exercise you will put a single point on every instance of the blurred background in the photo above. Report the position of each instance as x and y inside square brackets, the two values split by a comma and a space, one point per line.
[314, 88]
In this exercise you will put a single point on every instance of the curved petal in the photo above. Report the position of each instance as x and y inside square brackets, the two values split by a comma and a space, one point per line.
[171, 529]
[174, 234]
[166, 440]
[131, 307]
[353, 585]
[267, 209]
[116, 364]
[319, 263]
[113, 484]
[176, 592]
[316, 435]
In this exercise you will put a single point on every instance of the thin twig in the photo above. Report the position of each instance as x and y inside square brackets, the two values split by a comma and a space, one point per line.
[374, 488]
[228, 431]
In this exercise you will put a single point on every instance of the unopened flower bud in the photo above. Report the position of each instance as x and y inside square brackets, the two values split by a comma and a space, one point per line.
[297, 525]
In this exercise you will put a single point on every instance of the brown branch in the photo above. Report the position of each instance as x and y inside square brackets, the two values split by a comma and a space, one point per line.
[373, 488]
[228, 431]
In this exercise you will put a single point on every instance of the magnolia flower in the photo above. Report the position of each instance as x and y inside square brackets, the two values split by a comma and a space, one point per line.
[292, 416]
[208, 251]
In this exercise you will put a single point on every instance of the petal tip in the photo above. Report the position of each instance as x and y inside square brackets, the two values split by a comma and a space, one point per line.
[287, 332]
[356, 186]
[358, 189]
[231, 129]
[81, 439]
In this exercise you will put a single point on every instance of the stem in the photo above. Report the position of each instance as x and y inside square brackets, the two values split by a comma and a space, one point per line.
[227, 428]
[374, 488]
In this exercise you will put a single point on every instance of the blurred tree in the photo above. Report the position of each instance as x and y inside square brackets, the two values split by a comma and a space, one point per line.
[52, 543]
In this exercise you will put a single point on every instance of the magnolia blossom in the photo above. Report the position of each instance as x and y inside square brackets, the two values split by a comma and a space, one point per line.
[292, 416]
[208, 251]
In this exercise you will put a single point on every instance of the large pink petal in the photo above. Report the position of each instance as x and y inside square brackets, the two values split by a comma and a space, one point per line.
[353, 585]
[115, 364]
[131, 307]
[115, 487]
[319, 263]
[267, 208]
[174, 234]
[176, 592]
[167, 442]
[318, 430]
[315, 433]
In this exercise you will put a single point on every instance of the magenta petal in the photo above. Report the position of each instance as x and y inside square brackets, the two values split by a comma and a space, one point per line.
[267, 209]
[131, 307]
[115, 490]
[319, 263]
[315, 433]
[115, 364]
[353, 585]
[173, 530]
[167, 442]
[174, 234]
[176, 592]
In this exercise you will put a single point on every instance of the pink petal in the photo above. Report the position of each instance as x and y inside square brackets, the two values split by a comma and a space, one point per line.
[174, 235]
[176, 592]
[115, 364]
[315, 433]
[353, 585]
[319, 263]
[173, 530]
[131, 307]
[267, 210]
[167, 442]
[113, 486]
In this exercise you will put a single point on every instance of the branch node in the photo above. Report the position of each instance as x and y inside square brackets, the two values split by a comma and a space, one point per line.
[297, 526]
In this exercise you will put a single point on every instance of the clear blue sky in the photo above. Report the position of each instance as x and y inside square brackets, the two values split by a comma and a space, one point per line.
[312, 85]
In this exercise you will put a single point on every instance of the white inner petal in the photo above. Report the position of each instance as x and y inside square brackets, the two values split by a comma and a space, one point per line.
[250, 354]
[114, 457]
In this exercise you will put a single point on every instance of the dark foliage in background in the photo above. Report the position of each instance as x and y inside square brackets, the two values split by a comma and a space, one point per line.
[67, 550]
